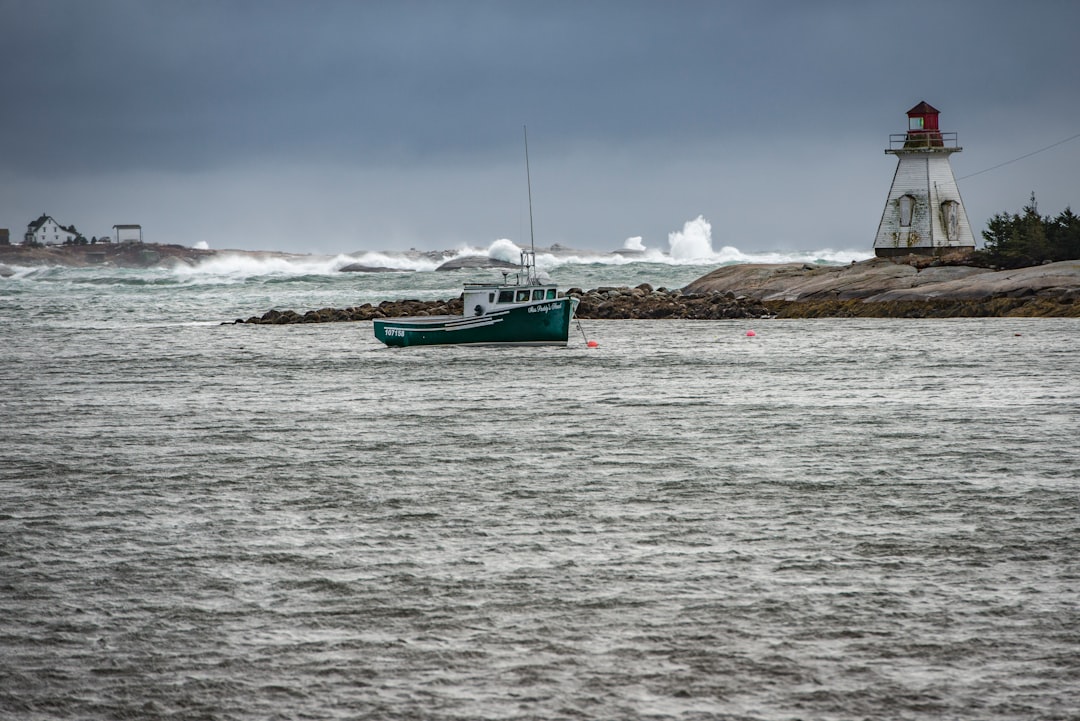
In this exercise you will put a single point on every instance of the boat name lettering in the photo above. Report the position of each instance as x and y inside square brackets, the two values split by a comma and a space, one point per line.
[544, 308]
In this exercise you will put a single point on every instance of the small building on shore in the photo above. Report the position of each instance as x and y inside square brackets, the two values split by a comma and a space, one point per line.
[5, 236]
[924, 213]
[46, 231]
[128, 233]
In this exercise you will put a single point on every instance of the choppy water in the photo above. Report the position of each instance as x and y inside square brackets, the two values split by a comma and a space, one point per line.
[835, 519]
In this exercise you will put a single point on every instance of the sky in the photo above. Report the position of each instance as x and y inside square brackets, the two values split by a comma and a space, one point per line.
[345, 126]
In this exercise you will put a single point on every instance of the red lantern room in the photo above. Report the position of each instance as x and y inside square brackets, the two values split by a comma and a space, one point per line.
[923, 125]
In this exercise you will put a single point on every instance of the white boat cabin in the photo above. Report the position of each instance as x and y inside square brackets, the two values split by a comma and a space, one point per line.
[481, 299]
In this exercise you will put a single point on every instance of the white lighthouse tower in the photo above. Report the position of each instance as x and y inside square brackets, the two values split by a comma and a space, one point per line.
[924, 213]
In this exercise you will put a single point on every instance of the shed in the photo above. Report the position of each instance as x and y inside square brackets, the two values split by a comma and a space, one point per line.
[128, 233]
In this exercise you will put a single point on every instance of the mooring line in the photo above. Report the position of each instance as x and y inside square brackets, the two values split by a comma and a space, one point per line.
[583, 336]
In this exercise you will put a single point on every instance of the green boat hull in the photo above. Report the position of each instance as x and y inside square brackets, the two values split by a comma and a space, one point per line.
[540, 323]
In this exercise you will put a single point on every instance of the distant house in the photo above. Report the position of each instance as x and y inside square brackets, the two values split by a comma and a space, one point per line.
[128, 233]
[46, 231]
[5, 236]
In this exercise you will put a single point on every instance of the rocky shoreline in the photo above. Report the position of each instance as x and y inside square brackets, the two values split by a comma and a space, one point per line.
[123, 255]
[643, 302]
[911, 287]
[605, 302]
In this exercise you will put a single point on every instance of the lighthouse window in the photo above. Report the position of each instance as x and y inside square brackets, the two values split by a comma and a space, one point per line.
[915, 123]
[950, 217]
[907, 206]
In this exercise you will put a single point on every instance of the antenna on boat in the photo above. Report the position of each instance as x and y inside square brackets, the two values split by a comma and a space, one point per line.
[530, 269]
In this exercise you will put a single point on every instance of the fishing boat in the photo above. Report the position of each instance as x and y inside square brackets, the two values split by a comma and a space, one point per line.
[524, 310]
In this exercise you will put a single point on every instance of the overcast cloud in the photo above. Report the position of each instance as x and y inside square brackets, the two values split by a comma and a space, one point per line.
[347, 126]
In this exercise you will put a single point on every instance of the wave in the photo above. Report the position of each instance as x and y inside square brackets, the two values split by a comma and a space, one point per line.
[693, 245]
[690, 246]
[240, 267]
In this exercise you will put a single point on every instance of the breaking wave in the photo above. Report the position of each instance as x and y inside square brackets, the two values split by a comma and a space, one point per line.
[690, 246]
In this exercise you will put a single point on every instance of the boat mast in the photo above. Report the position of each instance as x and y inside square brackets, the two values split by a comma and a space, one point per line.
[530, 268]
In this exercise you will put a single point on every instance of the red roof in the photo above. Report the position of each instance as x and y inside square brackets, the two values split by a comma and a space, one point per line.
[924, 108]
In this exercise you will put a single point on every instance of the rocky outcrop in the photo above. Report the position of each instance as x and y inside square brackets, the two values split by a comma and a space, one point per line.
[902, 288]
[476, 261]
[644, 302]
[361, 268]
[367, 311]
[604, 302]
[1050, 279]
[886, 280]
[122, 255]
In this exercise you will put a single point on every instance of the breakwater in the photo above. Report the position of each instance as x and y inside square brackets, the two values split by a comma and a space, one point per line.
[644, 302]
[615, 303]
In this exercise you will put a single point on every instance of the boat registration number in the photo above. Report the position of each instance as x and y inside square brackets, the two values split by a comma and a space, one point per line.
[400, 332]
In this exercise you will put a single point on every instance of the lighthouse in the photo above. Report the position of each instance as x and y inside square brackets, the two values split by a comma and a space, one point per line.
[924, 213]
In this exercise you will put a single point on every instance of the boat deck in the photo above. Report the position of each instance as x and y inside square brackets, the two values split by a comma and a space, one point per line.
[423, 318]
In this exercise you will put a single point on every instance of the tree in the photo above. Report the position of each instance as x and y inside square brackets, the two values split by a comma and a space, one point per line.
[1063, 234]
[1016, 241]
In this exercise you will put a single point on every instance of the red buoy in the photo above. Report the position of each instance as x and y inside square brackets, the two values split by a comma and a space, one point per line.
[750, 334]
[593, 344]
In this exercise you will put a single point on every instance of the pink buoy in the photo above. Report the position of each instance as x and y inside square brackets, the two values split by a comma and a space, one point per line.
[593, 344]
[750, 334]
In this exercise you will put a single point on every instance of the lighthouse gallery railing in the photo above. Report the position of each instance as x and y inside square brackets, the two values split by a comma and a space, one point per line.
[915, 140]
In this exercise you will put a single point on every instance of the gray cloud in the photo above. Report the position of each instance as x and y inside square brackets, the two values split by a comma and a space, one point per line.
[341, 125]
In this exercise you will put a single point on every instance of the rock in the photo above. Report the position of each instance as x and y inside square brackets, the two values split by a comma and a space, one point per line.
[361, 268]
[1063, 275]
[5, 271]
[122, 255]
[476, 261]
[883, 280]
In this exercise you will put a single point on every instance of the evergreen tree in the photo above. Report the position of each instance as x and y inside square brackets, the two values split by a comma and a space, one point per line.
[1017, 241]
[1063, 234]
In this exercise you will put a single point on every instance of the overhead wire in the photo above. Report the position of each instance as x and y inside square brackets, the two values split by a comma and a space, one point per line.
[1027, 155]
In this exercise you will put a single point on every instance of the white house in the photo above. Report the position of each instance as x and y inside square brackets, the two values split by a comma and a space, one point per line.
[47, 231]
[128, 233]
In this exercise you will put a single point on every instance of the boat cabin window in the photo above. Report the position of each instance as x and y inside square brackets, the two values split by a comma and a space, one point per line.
[506, 296]
[491, 297]
[551, 294]
[522, 296]
[538, 294]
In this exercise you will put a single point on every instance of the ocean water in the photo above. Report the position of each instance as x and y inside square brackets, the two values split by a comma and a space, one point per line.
[832, 519]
